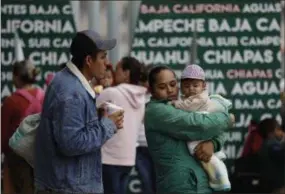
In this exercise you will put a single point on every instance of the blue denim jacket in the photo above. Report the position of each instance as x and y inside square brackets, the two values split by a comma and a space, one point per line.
[69, 138]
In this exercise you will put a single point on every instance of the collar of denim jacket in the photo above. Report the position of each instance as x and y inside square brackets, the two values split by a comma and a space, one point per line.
[81, 78]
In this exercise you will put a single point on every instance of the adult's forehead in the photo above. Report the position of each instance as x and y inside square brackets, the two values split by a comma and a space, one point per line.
[165, 76]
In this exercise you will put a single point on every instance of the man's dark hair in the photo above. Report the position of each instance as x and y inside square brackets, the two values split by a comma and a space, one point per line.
[80, 48]
[137, 69]
[153, 74]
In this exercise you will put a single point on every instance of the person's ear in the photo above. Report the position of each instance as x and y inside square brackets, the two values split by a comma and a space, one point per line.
[88, 60]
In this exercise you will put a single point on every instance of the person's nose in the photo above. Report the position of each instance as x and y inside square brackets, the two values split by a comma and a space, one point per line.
[106, 62]
[170, 89]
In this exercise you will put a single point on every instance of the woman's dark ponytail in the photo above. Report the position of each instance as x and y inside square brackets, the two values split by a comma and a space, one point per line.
[136, 68]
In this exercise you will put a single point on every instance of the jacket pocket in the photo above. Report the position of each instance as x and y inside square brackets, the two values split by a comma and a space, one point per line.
[90, 169]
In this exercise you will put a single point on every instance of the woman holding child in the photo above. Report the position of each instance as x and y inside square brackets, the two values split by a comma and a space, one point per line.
[168, 129]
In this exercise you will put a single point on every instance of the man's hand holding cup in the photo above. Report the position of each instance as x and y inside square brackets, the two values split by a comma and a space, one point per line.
[117, 118]
[113, 112]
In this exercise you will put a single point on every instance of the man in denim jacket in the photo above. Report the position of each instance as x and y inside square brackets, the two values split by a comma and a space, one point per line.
[71, 133]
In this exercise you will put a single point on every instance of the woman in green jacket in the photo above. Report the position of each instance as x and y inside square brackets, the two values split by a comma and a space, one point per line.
[167, 131]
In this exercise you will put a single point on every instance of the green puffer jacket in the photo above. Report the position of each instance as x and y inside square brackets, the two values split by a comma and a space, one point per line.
[167, 131]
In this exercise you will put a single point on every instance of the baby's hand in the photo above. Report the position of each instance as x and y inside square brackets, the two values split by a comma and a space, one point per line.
[171, 103]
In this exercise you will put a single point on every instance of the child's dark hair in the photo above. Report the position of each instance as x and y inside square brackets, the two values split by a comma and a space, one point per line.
[26, 71]
[137, 69]
[109, 67]
[154, 72]
[267, 126]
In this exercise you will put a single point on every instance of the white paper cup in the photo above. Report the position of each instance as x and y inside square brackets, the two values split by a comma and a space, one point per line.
[112, 108]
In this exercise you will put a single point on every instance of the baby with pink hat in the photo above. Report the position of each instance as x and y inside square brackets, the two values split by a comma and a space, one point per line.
[195, 97]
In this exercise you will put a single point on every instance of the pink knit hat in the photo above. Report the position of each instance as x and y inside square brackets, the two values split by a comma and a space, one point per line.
[193, 72]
